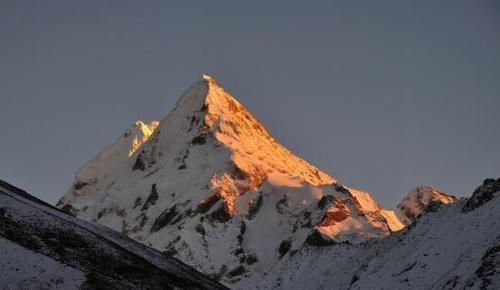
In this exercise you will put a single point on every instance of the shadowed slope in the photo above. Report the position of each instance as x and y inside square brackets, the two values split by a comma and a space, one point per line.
[56, 250]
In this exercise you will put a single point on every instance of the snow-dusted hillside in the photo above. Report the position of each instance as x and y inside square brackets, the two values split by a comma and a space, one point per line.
[213, 188]
[43, 248]
[450, 246]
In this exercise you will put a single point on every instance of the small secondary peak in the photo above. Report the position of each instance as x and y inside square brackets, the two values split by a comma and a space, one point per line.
[417, 200]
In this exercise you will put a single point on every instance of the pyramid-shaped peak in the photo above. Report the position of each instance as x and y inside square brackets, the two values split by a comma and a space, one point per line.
[202, 92]
[209, 110]
[208, 177]
[211, 140]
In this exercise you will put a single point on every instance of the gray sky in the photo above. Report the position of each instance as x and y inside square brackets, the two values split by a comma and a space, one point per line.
[384, 96]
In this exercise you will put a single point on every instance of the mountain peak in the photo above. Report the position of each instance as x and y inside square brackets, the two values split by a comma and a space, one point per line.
[207, 78]
[417, 199]
[210, 178]
[207, 115]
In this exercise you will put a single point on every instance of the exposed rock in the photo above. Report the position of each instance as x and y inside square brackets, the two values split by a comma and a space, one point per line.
[165, 218]
[255, 207]
[281, 205]
[335, 214]
[208, 203]
[79, 185]
[489, 271]
[325, 200]
[137, 202]
[200, 229]
[236, 271]
[152, 198]
[484, 193]
[284, 247]
[219, 215]
[341, 188]
[250, 259]
[199, 140]
[69, 209]
[315, 238]
[139, 163]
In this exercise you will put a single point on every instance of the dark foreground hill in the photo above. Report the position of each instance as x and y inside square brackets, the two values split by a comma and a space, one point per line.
[43, 248]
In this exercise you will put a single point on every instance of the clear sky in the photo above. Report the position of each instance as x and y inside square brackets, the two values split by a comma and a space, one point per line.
[383, 95]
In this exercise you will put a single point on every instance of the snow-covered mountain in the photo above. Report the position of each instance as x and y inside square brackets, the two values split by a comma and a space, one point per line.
[209, 185]
[449, 246]
[44, 248]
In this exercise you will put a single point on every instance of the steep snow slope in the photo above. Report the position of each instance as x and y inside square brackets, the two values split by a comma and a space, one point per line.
[450, 246]
[43, 248]
[213, 188]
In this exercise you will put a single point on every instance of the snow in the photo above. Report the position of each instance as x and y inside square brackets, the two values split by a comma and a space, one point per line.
[393, 221]
[443, 249]
[21, 268]
[444, 246]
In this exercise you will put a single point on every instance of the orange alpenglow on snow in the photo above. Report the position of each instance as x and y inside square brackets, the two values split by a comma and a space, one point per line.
[256, 154]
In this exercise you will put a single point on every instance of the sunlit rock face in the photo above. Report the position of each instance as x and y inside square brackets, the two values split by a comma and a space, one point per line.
[209, 185]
